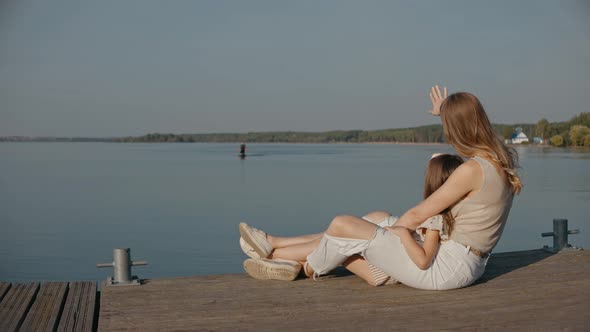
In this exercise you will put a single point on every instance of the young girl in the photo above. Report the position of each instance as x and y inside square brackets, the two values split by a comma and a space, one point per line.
[423, 244]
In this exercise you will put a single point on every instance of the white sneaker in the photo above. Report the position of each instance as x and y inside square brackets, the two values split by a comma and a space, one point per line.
[256, 239]
[272, 269]
[247, 249]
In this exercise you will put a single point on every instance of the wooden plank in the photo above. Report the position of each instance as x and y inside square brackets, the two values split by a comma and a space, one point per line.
[527, 291]
[79, 310]
[46, 310]
[4, 286]
[15, 305]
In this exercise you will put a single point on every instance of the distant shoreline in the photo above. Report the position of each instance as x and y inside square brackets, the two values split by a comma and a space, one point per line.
[287, 143]
[428, 134]
[574, 132]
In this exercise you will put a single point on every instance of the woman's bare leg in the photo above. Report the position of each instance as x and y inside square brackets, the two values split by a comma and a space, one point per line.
[351, 227]
[342, 226]
[282, 242]
[299, 247]
[376, 216]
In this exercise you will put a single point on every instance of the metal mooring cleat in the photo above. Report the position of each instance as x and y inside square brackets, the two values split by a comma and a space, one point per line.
[560, 233]
[122, 268]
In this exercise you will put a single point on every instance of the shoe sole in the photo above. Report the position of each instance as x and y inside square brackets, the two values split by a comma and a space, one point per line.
[249, 238]
[247, 249]
[272, 269]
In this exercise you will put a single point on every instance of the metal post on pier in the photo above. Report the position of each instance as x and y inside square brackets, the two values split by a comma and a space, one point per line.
[121, 265]
[560, 234]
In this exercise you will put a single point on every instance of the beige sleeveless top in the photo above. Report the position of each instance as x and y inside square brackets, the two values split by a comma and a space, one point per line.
[480, 219]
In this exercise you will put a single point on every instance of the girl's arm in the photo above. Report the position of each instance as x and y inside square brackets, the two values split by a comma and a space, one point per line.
[420, 255]
[465, 179]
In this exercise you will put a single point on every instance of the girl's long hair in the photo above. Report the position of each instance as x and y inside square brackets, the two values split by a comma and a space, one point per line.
[437, 172]
[467, 128]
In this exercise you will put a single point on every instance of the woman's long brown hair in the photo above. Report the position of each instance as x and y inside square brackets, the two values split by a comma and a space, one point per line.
[437, 172]
[467, 128]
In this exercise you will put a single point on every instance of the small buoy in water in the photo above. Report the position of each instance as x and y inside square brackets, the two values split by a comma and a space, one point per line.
[242, 150]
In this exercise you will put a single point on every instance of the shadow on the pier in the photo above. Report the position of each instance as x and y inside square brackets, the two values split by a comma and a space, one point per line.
[503, 263]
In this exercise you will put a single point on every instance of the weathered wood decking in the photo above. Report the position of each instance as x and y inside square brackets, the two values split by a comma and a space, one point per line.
[528, 290]
[51, 306]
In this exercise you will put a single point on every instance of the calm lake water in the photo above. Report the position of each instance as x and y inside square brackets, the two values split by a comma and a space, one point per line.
[64, 206]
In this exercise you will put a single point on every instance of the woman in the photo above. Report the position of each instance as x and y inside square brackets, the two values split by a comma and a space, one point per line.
[479, 193]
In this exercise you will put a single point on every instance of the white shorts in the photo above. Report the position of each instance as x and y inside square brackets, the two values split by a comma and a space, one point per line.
[453, 266]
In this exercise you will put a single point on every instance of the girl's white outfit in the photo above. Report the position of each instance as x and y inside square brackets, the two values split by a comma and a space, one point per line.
[454, 266]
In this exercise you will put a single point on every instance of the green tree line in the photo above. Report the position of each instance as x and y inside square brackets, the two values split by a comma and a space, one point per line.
[574, 132]
[423, 134]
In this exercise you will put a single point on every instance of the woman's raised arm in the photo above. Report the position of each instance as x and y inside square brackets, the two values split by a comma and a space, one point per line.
[464, 180]
[437, 97]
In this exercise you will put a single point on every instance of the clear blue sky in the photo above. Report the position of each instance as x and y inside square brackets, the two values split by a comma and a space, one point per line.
[113, 68]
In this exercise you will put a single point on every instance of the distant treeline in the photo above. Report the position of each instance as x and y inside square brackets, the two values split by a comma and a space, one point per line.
[574, 132]
[423, 134]
[420, 134]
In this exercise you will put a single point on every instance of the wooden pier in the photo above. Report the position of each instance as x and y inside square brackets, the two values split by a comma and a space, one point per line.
[51, 306]
[528, 290]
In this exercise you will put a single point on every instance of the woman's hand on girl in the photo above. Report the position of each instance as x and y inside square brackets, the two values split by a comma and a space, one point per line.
[436, 97]
[398, 230]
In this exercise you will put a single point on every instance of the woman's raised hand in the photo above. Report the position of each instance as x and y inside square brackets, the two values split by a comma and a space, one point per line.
[436, 97]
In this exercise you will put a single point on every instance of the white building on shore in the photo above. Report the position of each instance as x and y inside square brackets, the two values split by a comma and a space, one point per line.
[519, 137]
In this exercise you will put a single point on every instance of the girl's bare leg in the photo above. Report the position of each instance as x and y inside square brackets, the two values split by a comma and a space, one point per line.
[297, 252]
[359, 266]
